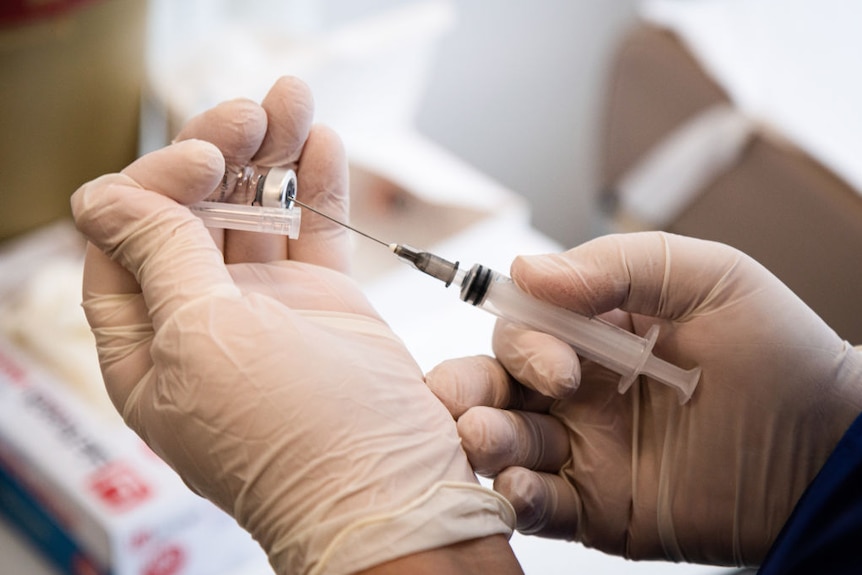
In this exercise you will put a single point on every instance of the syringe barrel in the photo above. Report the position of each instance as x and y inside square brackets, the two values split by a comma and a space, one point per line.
[608, 345]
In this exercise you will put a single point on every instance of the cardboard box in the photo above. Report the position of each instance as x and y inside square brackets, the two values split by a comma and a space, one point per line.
[775, 203]
[90, 494]
[71, 73]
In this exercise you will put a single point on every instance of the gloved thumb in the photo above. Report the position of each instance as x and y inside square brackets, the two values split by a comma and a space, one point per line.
[138, 219]
[650, 273]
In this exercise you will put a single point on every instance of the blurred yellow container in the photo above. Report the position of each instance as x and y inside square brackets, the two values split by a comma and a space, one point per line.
[70, 82]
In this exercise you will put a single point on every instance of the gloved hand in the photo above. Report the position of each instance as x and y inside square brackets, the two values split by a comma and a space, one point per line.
[640, 475]
[273, 389]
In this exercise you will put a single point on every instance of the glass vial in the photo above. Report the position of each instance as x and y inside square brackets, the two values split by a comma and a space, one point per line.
[257, 186]
[253, 199]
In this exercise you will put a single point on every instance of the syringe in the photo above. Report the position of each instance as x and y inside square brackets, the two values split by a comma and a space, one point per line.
[592, 338]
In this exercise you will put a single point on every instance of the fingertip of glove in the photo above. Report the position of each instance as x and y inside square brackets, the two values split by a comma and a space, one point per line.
[544, 276]
[524, 266]
[517, 485]
[537, 263]
[525, 491]
[562, 374]
[86, 200]
[297, 89]
[537, 360]
[444, 382]
[488, 437]
[200, 155]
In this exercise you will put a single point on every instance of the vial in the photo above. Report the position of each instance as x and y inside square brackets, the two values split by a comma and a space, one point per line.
[257, 186]
[254, 199]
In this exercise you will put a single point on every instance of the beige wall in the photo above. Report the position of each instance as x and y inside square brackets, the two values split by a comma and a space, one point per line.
[69, 99]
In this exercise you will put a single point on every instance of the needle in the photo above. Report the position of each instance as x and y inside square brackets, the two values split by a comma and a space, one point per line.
[340, 223]
[425, 262]
[628, 354]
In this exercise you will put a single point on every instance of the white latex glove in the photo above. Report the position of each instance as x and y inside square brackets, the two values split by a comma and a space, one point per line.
[640, 475]
[273, 389]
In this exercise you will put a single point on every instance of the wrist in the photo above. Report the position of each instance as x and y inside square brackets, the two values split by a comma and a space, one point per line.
[447, 514]
[485, 555]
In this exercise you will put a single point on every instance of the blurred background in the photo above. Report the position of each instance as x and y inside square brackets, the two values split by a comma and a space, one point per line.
[478, 129]
[512, 89]
[516, 90]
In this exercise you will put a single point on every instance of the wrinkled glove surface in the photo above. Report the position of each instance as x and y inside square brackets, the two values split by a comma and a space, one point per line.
[640, 475]
[256, 368]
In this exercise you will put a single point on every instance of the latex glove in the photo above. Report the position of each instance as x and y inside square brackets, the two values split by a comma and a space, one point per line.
[273, 389]
[640, 475]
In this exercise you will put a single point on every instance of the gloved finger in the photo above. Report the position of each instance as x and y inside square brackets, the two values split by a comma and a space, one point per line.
[322, 182]
[650, 273]
[135, 218]
[537, 360]
[119, 319]
[289, 109]
[104, 276]
[117, 314]
[468, 382]
[495, 439]
[237, 128]
[545, 504]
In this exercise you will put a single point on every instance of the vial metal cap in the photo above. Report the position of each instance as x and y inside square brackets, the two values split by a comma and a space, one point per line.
[277, 189]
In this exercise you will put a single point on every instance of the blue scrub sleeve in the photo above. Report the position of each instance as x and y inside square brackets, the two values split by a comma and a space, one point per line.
[824, 532]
